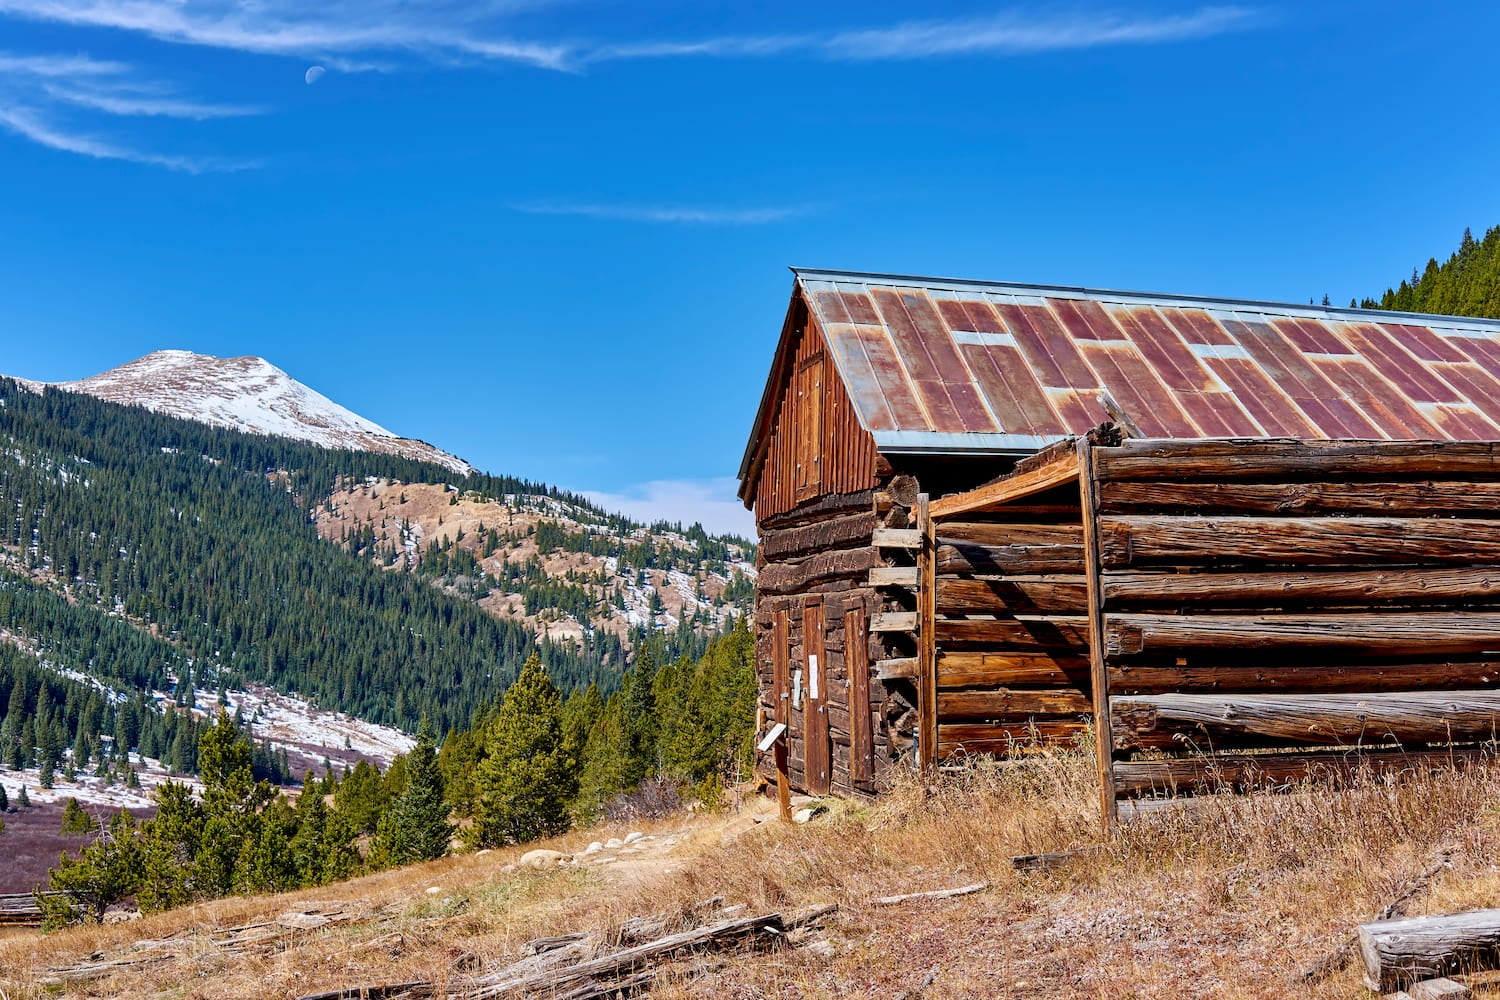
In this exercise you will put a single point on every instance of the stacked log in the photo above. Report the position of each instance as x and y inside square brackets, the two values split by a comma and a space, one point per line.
[1321, 605]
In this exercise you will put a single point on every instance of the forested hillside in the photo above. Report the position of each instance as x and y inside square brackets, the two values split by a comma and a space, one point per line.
[146, 550]
[1466, 284]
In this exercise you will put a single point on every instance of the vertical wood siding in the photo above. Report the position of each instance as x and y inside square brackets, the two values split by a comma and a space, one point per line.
[816, 443]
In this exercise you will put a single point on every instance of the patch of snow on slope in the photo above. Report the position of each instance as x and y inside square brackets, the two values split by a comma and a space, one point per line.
[248, 394]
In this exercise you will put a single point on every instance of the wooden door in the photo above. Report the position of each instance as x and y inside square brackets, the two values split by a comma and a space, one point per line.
[818, 741]
[861, 726]
[807, 434]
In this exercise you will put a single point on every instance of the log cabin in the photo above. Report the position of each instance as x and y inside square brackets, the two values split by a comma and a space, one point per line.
[1235, 543]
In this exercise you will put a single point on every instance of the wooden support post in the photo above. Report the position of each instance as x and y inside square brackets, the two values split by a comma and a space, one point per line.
[1093, 573]
[781, 652]
[927, 708]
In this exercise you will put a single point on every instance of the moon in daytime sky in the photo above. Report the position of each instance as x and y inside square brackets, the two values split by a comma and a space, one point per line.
[313, 74]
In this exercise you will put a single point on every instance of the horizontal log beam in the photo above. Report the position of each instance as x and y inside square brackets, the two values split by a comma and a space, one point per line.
[834, 533]
[957, 669]
[1009, 560]
[1274, 676]
[1414, 498]
[1446, 633]
[1016, 595]
[1240, 772]
[998, 533]
[1183, 721]
[831, 505]
[1004, 703]
[1258, 458]
[1021, 634]
[790, 578]
[1000, 739]
[1172, 540]
[1449, 585]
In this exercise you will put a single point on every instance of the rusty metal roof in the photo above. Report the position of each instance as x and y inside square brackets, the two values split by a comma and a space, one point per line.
[936, 365]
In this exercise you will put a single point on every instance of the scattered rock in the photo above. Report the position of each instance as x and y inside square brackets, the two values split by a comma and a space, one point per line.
[807, 813]
[631, 838]
[121, 916]
[541, 858]
[507, 869]
[433, 890]
[613, 844]
[480, 854]
[594, 848]
[822, 947]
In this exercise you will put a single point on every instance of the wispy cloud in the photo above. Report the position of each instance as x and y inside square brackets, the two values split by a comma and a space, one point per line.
[447, 30]
[710, 502]
[663, 214]
[37, 93]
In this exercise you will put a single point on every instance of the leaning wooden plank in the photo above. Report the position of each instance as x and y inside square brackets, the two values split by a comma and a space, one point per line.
[1399, 953]
[906, 897]
[1057, 472]
[1023, 633]
[1258, 458]
[1415, 498]
[1181, 721]
[1278, 675]
[1408, 585]
[976, 668]
[1334, 541]
[1003, 703]
[1271, 770]
[1447, 633]
[1060, 593]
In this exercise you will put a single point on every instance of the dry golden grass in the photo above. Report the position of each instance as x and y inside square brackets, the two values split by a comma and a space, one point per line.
[1232, 898]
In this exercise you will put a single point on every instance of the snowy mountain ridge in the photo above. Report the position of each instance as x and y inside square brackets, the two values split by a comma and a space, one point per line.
[247, 394]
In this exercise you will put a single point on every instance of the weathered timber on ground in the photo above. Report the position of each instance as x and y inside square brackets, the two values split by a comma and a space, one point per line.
[1398, 953]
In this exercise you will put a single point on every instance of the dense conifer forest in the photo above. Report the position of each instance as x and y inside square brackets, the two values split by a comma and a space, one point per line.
[1466, 284]
[147, 550]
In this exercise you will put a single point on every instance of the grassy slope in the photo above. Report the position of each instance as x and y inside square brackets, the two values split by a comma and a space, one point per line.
[1229, 900]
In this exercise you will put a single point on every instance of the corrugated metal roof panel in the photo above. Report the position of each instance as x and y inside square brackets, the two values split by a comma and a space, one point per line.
[966, 366]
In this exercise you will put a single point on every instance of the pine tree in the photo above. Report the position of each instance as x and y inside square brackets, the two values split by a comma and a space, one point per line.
[169, 848]
[105, 872]
[4, 800]
[23, 801]
[527, 778]
[75, 822]
[416, 827]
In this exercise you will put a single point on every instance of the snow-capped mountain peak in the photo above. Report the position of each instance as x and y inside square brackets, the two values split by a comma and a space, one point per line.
[248, 394]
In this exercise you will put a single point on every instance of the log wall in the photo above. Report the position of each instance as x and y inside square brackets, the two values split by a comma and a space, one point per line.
[836, 573]
[1010, 628]
[1270, 609]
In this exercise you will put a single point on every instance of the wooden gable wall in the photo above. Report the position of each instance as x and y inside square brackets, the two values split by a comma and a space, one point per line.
[815, 445]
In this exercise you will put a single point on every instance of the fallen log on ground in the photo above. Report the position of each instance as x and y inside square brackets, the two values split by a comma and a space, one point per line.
[963, 890]
[1344, 953]
[1050, 859]
[1399, 953]
[569, 971]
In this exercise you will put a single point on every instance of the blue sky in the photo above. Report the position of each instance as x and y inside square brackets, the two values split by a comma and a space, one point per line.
[552, 236]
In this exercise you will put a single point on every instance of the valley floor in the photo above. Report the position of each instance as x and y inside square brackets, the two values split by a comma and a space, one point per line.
[1231, 899]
